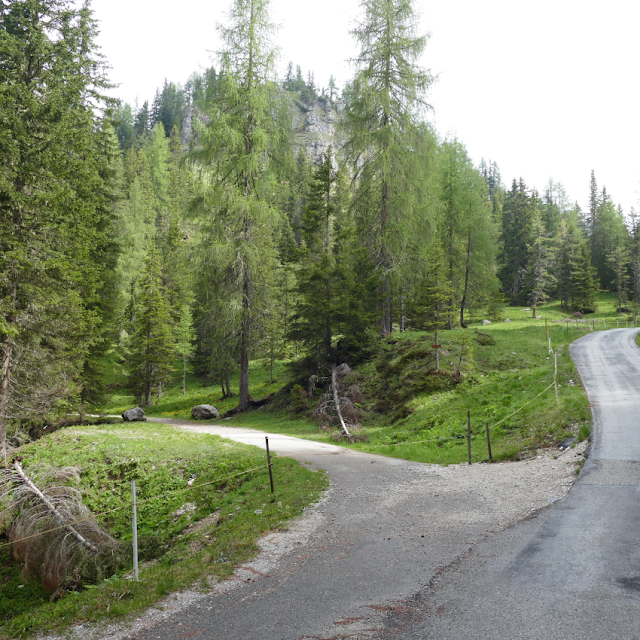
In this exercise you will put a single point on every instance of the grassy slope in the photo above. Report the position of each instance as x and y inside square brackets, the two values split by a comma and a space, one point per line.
[505, 377]
[163, 461]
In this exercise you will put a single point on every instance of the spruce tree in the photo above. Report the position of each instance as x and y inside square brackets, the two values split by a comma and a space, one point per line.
[619, 260]
[313, 323]
[429, 308]
[517, 220]
[54, 202]
[153, 345]
[539, 279]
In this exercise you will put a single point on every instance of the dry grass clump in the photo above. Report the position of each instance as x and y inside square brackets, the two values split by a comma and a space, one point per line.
[54, 534]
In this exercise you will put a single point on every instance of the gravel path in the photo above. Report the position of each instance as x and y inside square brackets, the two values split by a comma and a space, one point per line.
[385, 529]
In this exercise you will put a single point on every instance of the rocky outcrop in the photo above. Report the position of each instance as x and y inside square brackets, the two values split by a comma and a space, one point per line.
[316, 127]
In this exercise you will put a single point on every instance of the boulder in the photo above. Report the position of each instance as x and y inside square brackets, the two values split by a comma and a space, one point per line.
[343, 370]
[508, 320]
[204, 412]
[486, 322]
[134, 415]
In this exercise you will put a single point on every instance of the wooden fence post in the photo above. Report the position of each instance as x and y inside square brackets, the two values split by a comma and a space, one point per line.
[266, 439]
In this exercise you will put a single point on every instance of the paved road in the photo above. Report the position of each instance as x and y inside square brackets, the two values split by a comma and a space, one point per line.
[574, 570]
[386, 528]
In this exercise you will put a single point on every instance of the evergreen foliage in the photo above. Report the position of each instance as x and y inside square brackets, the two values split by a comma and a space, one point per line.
[384, 142]
[153, 343]
[56, 190]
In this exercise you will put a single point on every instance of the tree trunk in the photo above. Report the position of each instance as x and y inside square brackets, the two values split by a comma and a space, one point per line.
[336, 401]
[184, 375]
[230, 393]
[147, 393]
[243, 397]
[385, 319]
[463, 302]
[5, 354]
[52, 509]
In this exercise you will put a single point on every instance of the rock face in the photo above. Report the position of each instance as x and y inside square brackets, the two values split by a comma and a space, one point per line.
[315, 127]
[134, 415]
[204, 412]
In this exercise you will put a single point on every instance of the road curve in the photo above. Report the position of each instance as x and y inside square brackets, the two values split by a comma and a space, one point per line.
[573, 571]
[386, 528]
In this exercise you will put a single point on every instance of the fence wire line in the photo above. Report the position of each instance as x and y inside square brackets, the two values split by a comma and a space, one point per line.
[394, 444]
[138, 502]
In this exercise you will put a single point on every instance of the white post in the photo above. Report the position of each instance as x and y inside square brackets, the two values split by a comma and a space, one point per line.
[550, 349]
[135, 531]
[555, 377]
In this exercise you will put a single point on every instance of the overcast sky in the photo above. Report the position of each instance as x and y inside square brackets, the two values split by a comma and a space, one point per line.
[544, 88]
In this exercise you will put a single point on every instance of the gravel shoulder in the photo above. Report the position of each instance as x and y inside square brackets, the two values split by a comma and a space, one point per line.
[384, 530]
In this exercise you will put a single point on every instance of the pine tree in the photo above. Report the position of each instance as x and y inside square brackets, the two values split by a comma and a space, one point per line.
[383, 138]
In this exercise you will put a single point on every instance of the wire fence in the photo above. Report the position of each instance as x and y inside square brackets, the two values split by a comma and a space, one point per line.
[463, 437]
[137, 502]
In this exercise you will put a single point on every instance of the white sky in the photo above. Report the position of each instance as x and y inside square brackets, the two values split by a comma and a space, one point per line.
[545, 88]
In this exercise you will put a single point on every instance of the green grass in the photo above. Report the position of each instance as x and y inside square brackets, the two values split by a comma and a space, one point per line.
[504, 378]
[163, 461]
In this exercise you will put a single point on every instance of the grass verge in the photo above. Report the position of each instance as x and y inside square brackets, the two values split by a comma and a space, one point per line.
[199, 516]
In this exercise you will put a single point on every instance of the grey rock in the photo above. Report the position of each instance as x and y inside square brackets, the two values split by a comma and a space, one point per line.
[134, 415]
[343, 370]
[486, 322]
[508, 320]
[204, 412]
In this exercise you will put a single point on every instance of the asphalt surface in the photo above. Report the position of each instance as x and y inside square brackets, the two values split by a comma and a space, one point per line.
[573, 570]
[385, 530]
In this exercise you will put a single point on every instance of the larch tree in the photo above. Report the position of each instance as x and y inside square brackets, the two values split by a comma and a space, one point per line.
[54, 202]
[466, 229]
[235, 154]
[383, 104]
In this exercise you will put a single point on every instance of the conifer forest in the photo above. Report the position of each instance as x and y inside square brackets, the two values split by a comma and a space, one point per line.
[244, 215]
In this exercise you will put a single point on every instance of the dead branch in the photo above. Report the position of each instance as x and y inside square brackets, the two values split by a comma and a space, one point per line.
[336, 401]
[52, 509]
